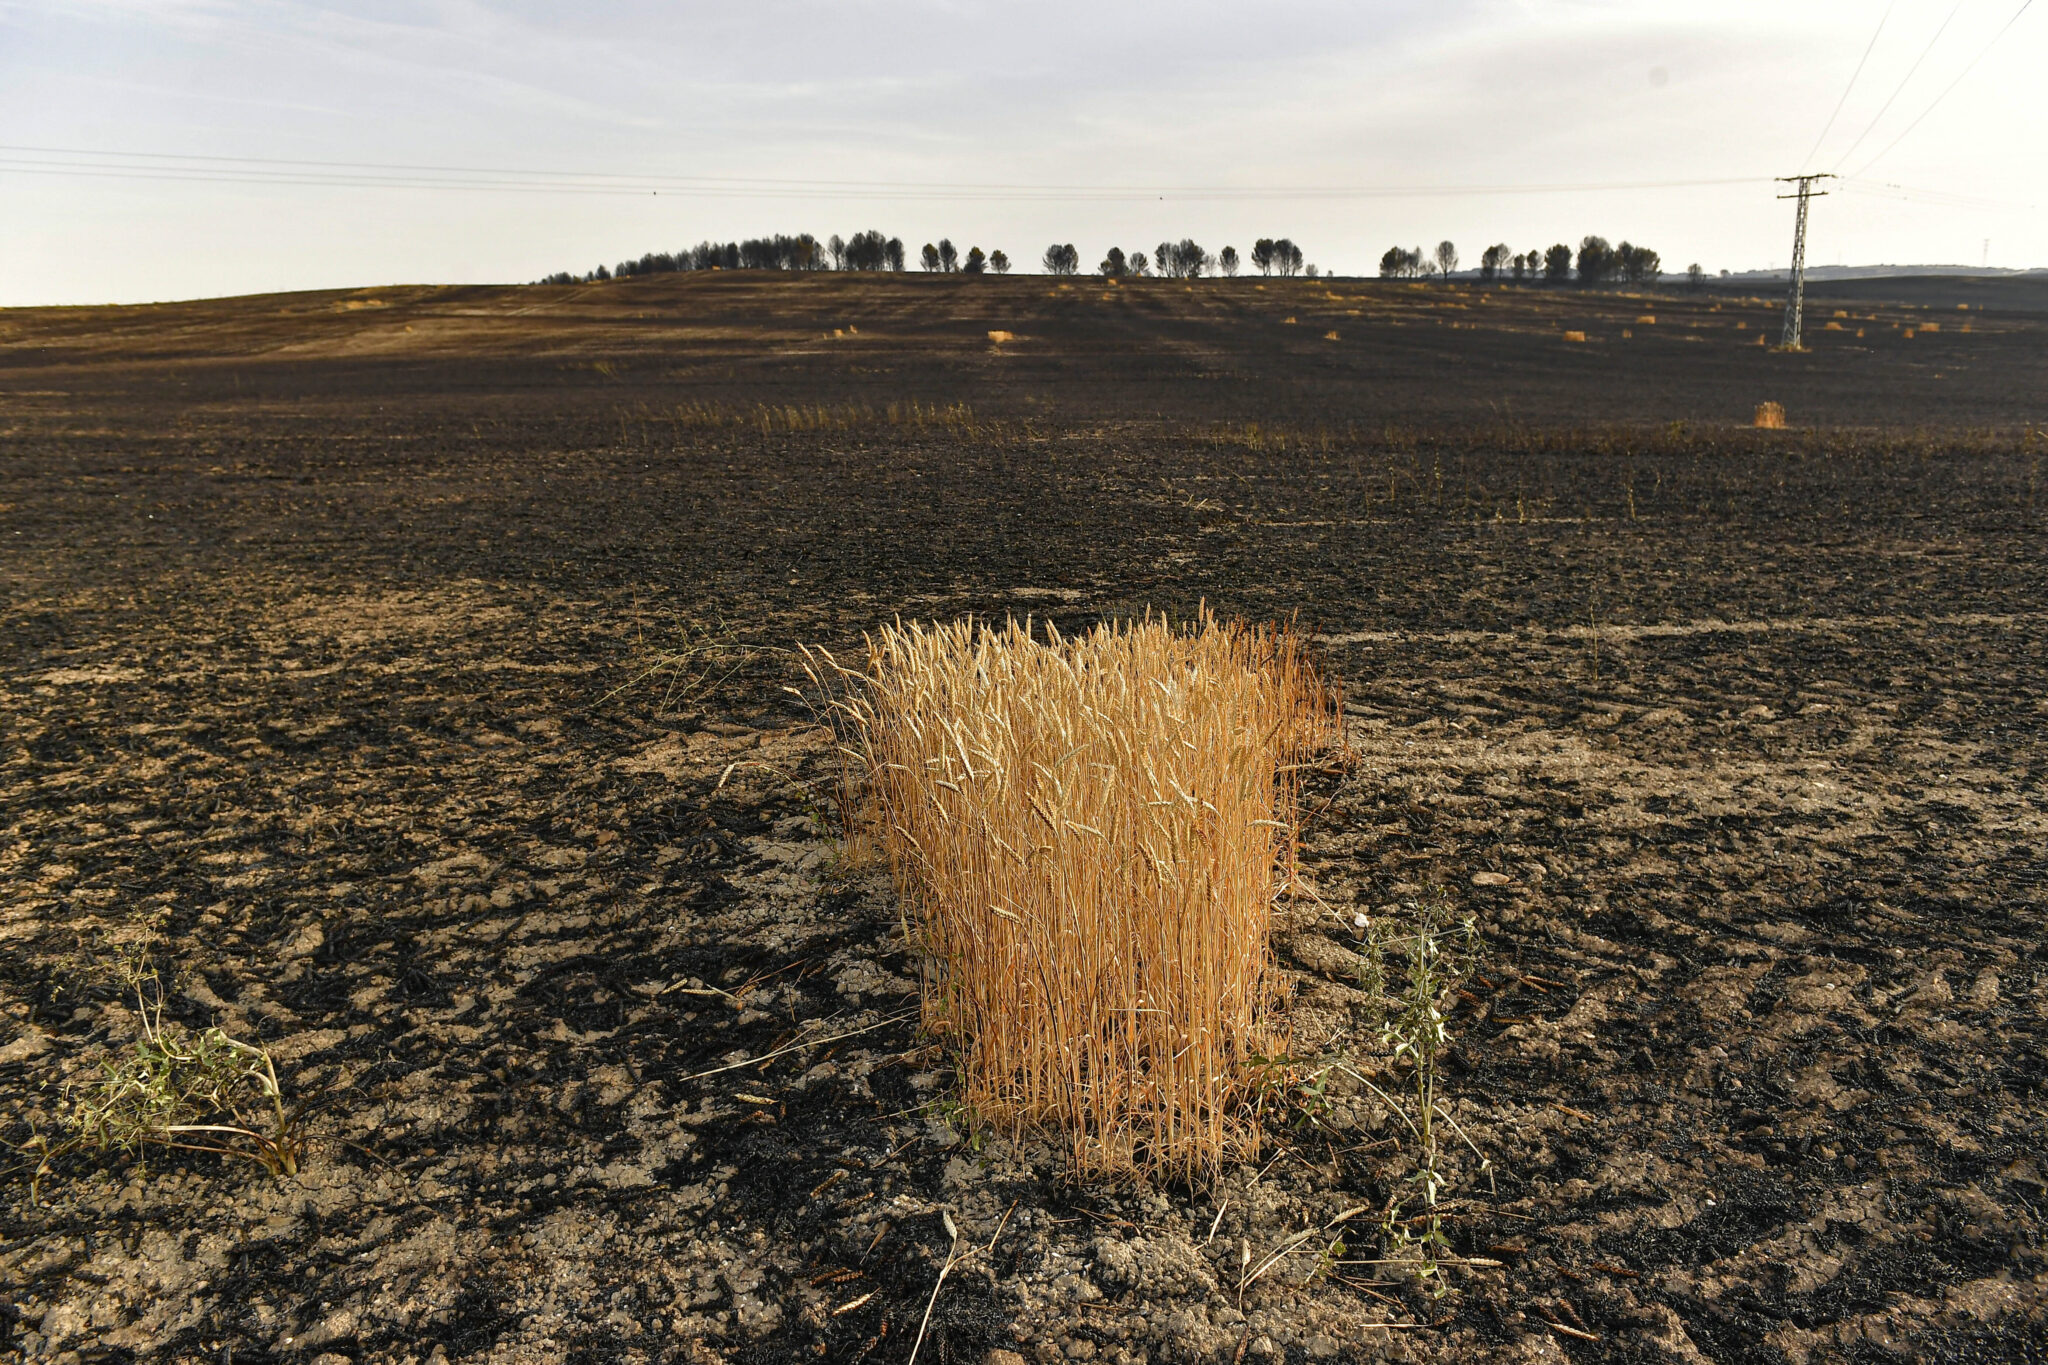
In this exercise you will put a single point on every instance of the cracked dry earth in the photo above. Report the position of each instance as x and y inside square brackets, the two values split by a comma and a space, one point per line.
[459, 773]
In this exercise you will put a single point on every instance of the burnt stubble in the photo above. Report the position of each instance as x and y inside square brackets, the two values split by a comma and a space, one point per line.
[406, 669]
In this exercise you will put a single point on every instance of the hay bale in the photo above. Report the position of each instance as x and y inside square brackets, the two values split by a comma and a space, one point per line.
[1770, 415]
[1574, 336]
[998, 337]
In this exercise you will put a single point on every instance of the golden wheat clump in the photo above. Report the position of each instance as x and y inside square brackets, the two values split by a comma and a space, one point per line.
[1089, 834]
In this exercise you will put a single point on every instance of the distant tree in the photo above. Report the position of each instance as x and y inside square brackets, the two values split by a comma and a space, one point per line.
[1227, 262]
[975, 263]
[653, 263]
[868, 251]
[1262, 255]
[835, 245]
[1182, 260]
[602, 273]
[1596, 260]
[1491, 260]
[1286, 257]
[1446, 259]
[896, 254]
[1062, 260]
[1405, 263]
[1695, 276]
[1638, 264]
[1114, 266]
[1557, 264]
[949, 255]
[929, 258]
[999, 262]
[1521, 265]
[1139, 265]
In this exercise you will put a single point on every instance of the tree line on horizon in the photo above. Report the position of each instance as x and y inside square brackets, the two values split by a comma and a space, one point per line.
[1187, 260]
[1597, 262]
[871, 251]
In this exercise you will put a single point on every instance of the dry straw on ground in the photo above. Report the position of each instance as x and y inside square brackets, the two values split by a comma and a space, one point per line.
[1089, 834]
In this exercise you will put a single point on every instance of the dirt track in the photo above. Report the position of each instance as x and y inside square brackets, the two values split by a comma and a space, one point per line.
[387, 686]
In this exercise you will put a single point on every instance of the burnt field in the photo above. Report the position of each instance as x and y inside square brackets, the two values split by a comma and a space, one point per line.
[405, 671]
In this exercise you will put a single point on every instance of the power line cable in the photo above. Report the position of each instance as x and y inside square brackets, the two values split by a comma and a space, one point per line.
[1946, 198]
[2025, 5]
[527, 172]
[275, 171]
[1868, 49]
[1901, 88]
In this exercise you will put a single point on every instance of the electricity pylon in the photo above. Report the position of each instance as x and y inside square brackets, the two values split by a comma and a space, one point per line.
[1795, 305]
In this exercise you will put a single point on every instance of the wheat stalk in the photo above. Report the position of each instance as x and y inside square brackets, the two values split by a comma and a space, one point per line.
[1089, 835]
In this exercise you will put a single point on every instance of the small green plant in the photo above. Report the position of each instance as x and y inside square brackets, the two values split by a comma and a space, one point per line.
[195, 1092]
[1440, 950]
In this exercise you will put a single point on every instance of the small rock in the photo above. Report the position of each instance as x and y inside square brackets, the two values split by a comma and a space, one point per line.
[999, 1356]
[1490, 879]
[29, 1045]
[305, 943]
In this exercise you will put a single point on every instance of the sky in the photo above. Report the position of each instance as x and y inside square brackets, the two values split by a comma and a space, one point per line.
[164, 149]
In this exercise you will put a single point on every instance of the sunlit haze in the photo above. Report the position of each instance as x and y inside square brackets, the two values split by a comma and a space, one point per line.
[1350, 127]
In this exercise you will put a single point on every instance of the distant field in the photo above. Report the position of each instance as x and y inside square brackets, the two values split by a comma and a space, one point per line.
[2027, 293]
[405, 668]
[1221, 349]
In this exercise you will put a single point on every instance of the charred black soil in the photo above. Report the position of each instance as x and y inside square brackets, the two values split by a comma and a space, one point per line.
[405, 669]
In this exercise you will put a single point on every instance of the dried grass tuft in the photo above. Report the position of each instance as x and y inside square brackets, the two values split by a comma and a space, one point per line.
[1089, 834]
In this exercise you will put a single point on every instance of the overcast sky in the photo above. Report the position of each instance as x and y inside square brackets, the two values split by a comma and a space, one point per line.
[1349, 126]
